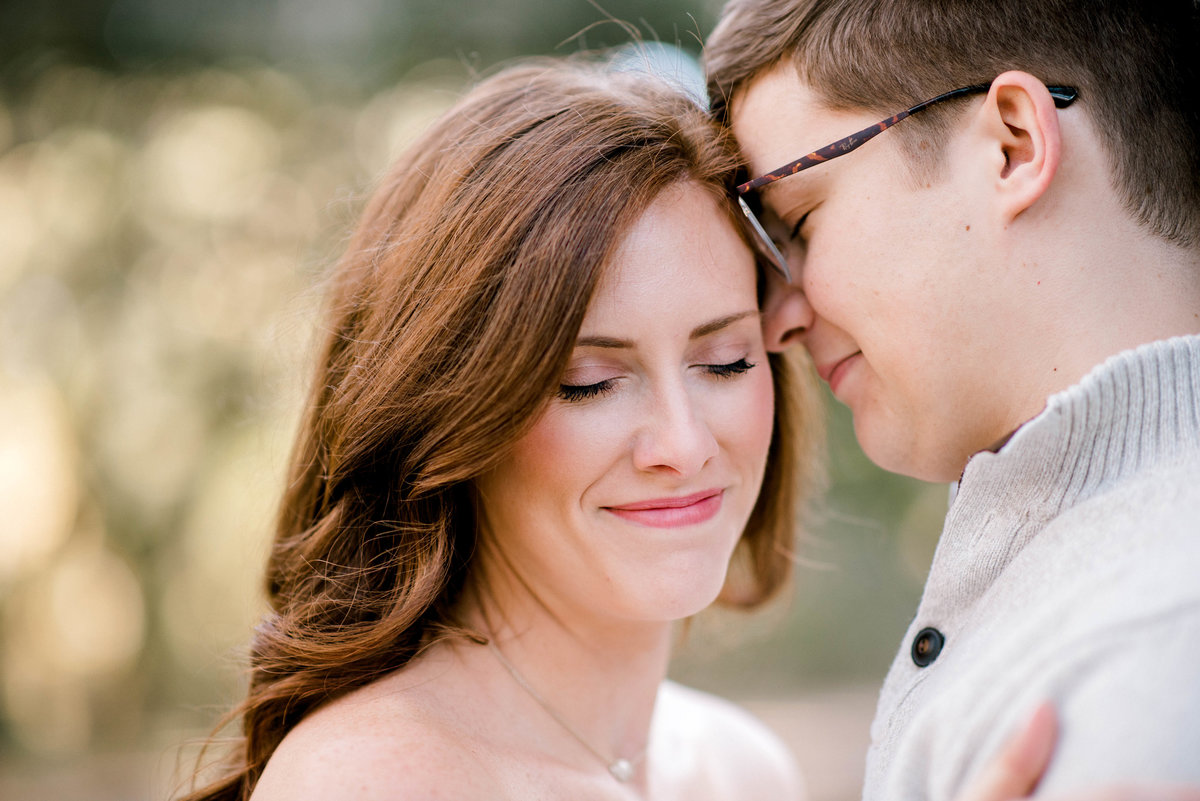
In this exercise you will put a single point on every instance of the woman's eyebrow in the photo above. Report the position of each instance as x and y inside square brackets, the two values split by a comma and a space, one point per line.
[721, 322]
[602, 342]
[697, 332]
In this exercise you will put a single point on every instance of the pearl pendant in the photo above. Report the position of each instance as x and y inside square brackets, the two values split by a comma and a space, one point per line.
[621, 769]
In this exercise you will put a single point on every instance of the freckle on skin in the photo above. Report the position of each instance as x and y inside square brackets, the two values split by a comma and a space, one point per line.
[968, 228]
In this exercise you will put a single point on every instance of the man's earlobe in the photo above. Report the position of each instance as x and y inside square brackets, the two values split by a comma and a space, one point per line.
[1024, 122]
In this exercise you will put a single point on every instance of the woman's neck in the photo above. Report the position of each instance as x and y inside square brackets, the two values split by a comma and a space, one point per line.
[599, 676]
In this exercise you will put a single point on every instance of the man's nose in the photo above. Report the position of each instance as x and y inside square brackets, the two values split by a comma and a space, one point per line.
[787, 316]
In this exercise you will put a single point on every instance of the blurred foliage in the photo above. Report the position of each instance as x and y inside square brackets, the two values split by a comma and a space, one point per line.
[370, 42]
[169, 201]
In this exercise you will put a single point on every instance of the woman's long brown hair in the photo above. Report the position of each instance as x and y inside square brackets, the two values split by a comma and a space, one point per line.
[450, 320]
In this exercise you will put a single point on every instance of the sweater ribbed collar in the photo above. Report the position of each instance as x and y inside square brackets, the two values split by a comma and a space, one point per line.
[1137, 412]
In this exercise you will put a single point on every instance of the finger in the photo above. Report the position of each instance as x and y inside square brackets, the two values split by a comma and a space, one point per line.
[1015, 771]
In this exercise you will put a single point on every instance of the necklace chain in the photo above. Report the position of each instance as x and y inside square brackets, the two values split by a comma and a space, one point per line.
[621, 768]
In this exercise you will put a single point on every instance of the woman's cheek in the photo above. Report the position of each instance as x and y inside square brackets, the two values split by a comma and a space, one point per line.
[576, 438]
[754, 419]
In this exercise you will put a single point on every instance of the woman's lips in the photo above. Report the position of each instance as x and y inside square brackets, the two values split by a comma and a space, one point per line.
[687, 510]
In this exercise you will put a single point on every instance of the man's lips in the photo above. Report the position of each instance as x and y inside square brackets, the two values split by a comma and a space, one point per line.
[833, 372]
[686, 510]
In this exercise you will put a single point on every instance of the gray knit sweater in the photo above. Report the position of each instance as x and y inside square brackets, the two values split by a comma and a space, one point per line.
[1068, 569]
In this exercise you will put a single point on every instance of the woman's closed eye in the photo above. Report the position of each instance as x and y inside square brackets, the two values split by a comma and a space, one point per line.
[581, 392]
[730, 369]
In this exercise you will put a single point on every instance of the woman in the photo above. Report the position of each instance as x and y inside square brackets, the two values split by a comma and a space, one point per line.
[544, 427]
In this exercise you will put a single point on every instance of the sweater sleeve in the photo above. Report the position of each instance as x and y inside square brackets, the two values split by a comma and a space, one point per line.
[1130, 709]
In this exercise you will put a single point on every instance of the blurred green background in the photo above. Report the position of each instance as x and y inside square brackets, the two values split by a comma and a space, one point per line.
[175, 178]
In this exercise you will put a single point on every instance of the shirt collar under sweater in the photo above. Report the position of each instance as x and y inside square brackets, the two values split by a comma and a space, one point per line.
[1138, 411]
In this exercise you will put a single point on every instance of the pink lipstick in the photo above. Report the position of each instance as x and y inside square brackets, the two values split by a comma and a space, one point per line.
[687, 510]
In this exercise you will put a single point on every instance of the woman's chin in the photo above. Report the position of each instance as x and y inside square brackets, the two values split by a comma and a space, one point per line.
[681, 596]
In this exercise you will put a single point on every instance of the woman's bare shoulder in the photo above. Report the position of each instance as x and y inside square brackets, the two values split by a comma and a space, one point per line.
[735, 752]
[381, 742]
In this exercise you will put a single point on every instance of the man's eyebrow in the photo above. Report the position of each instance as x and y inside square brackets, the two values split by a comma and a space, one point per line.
[697, 332]
[798, 182]
[770, 189]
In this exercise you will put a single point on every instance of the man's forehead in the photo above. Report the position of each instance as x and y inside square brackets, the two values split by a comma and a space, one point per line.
[777, 118]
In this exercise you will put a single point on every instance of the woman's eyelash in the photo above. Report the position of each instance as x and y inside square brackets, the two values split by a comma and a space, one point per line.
[731, 369]
[579, 392]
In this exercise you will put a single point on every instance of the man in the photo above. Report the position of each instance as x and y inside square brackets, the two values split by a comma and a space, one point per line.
[1005, 290]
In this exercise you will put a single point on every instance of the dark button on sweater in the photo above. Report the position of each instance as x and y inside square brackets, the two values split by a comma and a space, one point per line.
[926, 647]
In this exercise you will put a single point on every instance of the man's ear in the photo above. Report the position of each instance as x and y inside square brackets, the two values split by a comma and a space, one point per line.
[1020, 118]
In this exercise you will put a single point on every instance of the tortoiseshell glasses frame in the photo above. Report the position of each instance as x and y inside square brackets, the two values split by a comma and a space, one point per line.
[1063, 96]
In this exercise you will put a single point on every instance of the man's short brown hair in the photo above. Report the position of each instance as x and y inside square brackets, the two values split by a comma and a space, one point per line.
[1134, 62]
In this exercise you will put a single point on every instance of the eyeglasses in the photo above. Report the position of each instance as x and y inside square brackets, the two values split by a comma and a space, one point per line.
[765, 243]
[1063, 97]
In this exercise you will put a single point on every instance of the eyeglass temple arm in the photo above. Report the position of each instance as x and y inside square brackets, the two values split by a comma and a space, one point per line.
[1063, 96]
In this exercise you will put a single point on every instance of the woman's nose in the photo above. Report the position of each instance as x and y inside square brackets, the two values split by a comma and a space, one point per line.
[676, 437]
